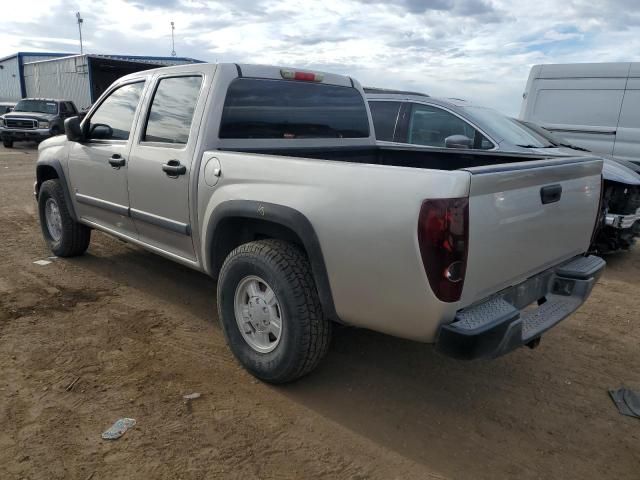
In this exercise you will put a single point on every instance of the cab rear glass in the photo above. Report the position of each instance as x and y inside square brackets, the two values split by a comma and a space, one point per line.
[261, 108]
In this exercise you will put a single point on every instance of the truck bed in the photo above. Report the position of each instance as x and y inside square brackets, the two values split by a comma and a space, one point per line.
[401, 156]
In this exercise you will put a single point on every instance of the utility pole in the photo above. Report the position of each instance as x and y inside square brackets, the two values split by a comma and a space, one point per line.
[173, 44]
[80, 20]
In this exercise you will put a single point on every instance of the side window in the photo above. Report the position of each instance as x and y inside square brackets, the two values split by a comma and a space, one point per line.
[172, 110]
[431, 126]
[385, 117]
[63, 108]
[71, 107]
[114, 117]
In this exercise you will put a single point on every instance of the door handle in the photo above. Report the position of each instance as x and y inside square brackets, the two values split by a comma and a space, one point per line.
[116, 161]
[173, 168]
[551, 194]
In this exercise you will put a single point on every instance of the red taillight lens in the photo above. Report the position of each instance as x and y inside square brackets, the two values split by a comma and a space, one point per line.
[443, 236]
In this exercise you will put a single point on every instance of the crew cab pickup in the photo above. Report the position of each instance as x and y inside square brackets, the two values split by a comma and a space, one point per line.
[35, 119]
[270, 180]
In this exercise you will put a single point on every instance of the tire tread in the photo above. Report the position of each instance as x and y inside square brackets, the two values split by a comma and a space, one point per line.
[293, 263]
[75, 236]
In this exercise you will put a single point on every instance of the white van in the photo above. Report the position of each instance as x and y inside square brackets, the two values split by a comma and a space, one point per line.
[594, 105]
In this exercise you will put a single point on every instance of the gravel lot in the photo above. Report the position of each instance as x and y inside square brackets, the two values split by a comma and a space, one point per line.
[139, 332]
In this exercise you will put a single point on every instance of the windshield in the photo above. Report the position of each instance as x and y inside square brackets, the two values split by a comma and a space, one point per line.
[508, 129]
[39, 106]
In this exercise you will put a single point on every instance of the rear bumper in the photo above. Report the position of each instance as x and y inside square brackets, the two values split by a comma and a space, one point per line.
[506, 321]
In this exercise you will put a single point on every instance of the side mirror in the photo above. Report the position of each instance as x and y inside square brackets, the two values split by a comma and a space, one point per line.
[73, 130]
[10, 109]
[458, 141]
[100, 131]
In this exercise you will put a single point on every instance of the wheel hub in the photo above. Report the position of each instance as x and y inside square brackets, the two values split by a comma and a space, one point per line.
[53, 219]
[258, 314]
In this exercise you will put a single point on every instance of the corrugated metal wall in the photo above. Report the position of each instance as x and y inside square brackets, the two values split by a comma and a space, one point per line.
[9, 80]
[65, 78]
[28, 58]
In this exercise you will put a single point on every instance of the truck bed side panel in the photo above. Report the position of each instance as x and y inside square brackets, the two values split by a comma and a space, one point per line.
[366, 219]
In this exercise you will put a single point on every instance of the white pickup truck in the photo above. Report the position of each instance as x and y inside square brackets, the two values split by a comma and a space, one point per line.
[269, 179]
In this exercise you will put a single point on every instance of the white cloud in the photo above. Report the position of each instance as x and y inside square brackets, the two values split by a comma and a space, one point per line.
[476, 49]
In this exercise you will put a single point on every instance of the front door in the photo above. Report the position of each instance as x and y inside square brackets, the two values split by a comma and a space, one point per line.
[161, 165]
[98, 166]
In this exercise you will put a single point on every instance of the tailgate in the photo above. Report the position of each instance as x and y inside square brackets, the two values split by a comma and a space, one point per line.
[527, 217]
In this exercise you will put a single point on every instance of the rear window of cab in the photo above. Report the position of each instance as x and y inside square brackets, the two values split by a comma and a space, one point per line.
[287, 109]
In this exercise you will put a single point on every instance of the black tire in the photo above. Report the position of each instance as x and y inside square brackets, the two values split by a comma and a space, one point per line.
[7, 142]
[75, 237]
[306, 332]
[55, 130]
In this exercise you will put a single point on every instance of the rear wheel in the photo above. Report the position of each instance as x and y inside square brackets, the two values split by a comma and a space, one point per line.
[65, 236]
[7, 142]
[270, 312]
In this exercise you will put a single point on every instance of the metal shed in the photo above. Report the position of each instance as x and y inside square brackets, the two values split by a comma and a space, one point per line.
[83, 78]
[12, 86]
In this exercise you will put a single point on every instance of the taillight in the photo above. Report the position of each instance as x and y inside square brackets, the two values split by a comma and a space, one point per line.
[443, 237]
[302, 76]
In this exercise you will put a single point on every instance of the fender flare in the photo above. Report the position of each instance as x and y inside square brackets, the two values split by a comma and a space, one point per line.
[284, 216]
[55, 164]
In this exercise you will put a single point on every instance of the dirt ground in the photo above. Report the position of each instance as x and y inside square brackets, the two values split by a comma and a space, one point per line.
[139, 332]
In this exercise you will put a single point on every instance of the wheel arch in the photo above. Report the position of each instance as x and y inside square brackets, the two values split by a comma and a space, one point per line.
[235, 222]
[50, 170]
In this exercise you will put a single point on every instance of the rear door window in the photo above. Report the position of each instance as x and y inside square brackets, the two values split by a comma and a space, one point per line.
[385, 117]
[172, 110]
[259, 108]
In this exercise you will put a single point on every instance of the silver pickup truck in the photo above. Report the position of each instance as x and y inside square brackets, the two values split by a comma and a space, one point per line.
[270, 180]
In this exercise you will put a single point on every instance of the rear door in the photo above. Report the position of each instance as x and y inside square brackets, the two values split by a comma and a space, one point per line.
[160, 170]
[527, 217]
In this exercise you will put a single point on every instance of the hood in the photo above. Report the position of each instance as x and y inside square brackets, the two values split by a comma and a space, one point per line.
[57, 141]
[612, 170]
[30, 115]
[616, 172]
[624, 163]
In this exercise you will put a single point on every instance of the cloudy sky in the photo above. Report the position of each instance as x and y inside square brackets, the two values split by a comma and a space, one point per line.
[480, 50]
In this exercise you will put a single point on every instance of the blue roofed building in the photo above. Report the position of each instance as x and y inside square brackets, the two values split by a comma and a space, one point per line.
[80, 78]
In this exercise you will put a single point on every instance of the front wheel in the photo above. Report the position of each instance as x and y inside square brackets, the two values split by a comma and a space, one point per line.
[64, 236]
[7, 143]
[270, 312]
